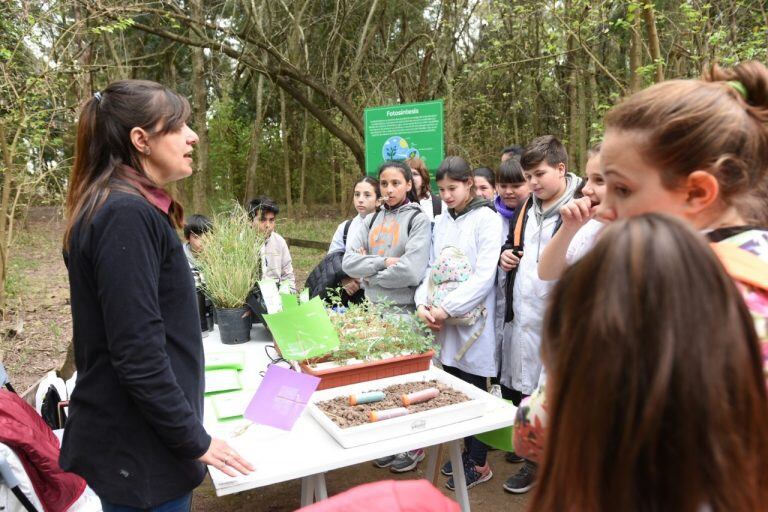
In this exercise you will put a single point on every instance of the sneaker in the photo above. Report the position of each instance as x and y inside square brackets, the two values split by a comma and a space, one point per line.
[407, 461]
[447, 469]
[513, 458]
[474, 474]
[523, 481]
[385, 462]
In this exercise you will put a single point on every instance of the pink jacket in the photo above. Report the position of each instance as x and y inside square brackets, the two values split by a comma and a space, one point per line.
[388, 496]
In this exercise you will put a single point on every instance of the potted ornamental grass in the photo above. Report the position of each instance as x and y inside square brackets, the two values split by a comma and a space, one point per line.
[230, 263]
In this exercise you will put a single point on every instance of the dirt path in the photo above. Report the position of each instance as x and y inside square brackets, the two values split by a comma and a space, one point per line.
[34, 337]
[37, 326]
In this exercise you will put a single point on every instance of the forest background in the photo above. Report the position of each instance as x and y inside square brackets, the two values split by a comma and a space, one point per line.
[278, 87]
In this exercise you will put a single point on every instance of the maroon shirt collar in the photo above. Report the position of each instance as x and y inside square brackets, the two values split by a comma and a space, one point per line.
[155, 195]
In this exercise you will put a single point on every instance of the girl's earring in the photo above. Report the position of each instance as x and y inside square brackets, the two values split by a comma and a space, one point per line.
[147, 151]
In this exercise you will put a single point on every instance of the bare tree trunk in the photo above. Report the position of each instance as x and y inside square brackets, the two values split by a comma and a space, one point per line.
[286, 159]
[199, 110]
[4, 209]
[537, 75]
[84, 79]
[366, 38]
[581, 111]
[304, 148]
[253, 152]
[515, 127]
[635, 56]
[334, 167]
[653, 41]
[572, 63]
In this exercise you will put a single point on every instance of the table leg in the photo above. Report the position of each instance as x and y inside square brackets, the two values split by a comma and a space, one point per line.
[433, 459]
[307, 490]
[321, 492]
[459, 479]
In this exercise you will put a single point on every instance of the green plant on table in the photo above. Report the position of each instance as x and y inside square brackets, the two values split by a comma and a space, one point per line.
[231, 258]
[370, 332]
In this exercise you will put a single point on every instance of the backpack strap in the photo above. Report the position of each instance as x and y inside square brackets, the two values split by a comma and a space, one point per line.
[373, 219]
[515, 241]
[410, 220]
[346, 231]
[742, 265]
[517, 226]
[437, 205]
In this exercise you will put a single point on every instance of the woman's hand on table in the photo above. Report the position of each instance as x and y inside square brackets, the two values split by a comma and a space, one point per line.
[221, 456]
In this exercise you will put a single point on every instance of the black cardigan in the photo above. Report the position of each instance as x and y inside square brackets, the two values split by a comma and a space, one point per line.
[135, 417]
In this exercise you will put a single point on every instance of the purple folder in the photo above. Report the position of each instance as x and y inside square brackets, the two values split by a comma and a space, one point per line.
[281, 397]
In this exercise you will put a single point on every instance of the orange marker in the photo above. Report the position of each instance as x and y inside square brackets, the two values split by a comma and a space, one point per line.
[419, 396]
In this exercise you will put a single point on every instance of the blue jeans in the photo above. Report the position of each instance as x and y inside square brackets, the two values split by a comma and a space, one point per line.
[182, 504]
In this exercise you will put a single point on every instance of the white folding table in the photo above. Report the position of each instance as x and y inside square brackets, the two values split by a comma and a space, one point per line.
[308, 451]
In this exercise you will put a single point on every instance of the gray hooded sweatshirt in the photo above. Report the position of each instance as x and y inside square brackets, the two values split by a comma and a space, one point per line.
[388, 237]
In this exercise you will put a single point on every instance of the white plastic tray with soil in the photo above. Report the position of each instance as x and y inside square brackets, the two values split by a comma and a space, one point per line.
[366, 433]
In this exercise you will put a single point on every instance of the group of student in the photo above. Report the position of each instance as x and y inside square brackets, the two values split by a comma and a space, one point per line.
[681, 162]
[627, 314]
[442, 259]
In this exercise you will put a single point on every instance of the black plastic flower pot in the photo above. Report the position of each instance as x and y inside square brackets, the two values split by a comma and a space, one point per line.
[234, 327]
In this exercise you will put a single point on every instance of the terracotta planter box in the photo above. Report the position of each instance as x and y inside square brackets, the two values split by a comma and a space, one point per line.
[362, 372]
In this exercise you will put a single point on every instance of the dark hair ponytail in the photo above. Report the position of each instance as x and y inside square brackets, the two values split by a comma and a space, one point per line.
[104, 153]
[407, 174]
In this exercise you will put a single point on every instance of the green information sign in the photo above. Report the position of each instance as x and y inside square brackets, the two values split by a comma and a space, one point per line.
[404, 131]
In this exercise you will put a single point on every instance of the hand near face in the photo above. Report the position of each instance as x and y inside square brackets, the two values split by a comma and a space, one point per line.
[577, 212]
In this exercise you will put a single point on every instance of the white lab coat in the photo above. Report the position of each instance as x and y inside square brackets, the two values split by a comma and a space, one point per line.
[478, 235]
[583, 241]
[337, 242]
[521, 345]
[501, 295]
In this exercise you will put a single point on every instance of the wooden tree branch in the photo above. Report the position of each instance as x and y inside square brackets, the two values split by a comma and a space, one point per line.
[653, 40]
[353, 115]
[280, 77]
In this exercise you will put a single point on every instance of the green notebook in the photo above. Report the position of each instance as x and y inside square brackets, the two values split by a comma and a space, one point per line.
[224, 361]
[217, 381]
[231, 405]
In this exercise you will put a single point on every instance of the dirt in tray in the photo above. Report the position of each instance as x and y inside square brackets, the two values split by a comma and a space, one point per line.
[346, 415]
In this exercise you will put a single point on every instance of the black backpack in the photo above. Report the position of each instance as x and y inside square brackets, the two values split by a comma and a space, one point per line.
[437, 205]
[326, 277]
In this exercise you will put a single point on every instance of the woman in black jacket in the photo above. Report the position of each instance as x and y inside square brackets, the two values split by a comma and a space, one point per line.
[135, 429]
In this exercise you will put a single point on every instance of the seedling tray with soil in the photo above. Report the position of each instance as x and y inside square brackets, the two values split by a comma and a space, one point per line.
[346, 415]
[373, 345]
[457, 402]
